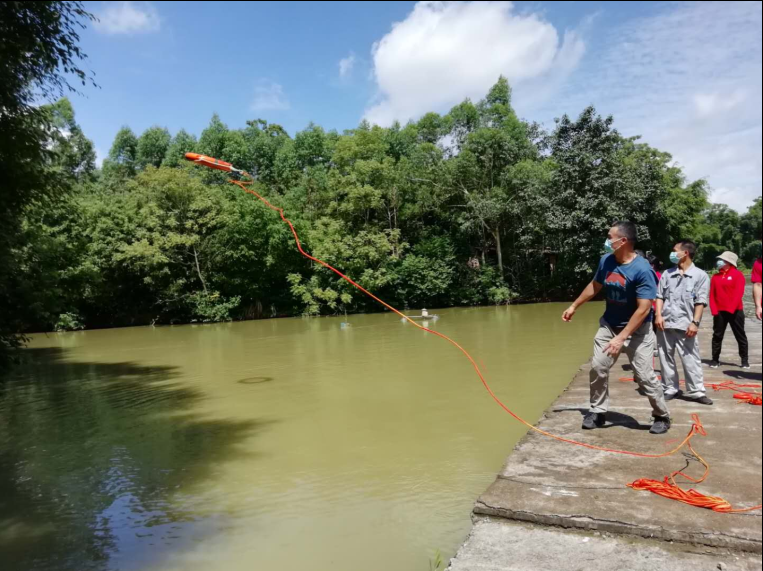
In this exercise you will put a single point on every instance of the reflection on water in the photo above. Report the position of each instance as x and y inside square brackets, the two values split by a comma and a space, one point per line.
[285, 444]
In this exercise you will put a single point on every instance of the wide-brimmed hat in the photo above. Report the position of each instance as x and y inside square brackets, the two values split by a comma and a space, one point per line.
[729, 257]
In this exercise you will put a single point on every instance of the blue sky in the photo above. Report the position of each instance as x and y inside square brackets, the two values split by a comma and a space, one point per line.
[684, 75]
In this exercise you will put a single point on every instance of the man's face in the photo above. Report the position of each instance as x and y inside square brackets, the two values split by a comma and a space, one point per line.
[679, 250]
[615, 238]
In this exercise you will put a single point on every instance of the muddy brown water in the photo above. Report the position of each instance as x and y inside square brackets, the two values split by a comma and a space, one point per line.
[284, 445]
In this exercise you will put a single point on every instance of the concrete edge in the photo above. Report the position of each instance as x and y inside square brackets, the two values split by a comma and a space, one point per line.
[621, 528]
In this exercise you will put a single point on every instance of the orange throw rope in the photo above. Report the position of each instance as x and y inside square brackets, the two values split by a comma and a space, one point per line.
[750, 397]
[669, 489]
[691, 433]
[744, 396]
[695, 429]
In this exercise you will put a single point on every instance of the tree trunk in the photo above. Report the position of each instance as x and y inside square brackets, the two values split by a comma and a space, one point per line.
[198, 271]
[497, 236]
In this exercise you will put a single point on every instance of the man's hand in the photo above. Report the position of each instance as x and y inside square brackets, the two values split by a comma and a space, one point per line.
[759, 312]
[692, 331]
[614, 347]
[659, 322]
[568, 313]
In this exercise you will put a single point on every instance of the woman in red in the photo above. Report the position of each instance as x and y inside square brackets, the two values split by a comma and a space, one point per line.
[726, 293]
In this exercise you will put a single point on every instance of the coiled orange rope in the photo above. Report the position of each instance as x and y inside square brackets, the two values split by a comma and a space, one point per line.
[695, 429]
[742, 395]
[669, 489]
[749, 397]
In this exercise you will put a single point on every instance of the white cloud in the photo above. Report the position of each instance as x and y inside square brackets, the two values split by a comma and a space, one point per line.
[446, 51]
[128, 18]
[709, 104]
[687, 79]
[346, 65]
[269, 96]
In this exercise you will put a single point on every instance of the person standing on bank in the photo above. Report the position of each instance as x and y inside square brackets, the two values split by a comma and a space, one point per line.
[682, 296]
[630, 288]
[726, 294]
[757, 287]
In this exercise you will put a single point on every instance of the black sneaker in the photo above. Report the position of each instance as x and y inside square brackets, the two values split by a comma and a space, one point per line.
[661, 425]
[593, 420]
[746, 365]
[674, 395]
[704, 399]
[714, 364]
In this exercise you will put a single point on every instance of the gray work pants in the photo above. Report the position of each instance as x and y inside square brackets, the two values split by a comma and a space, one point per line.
[670, 341]
[640, 350]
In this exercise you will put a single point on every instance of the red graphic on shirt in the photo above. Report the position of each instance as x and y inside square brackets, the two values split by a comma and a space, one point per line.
[616, 289]
[614, 279]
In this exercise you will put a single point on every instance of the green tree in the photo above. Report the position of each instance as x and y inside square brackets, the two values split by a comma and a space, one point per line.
[72, 152]
[40, 55]
[214, 138]
[478, 171]
[152, 147]
[181, 144]
[122, 161]
[750, 223]
[720, 231]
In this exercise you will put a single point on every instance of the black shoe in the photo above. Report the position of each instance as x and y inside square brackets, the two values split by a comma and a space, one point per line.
[674, 395]
[593, 420]
[746, 365]
[702, 400]
[661, 425]
[714, 364]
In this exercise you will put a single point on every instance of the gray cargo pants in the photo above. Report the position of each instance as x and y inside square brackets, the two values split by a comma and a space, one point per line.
[640, 350]
[688, 349]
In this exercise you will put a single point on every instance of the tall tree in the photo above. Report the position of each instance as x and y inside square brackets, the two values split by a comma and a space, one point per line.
[39, 56]
[122, 161]
[152, 146]
[181, 143]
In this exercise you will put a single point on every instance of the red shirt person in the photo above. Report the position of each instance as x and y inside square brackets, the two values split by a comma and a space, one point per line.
[726, 293]
[757, 288]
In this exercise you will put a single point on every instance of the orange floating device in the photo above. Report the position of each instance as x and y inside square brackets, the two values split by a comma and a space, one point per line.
[210, 162]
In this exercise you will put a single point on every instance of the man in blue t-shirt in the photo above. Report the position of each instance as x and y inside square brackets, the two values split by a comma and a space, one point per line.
[629, 288]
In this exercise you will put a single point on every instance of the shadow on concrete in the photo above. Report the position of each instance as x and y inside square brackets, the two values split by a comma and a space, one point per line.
[614, 419]
[93, 458]
[744, 375]
[722, 363]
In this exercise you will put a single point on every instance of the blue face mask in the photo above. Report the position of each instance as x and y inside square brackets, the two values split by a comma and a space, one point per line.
[608, 248]
[721, 264]
[675, 258]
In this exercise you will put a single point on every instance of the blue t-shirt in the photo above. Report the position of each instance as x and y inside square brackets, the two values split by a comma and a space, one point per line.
[623, 285]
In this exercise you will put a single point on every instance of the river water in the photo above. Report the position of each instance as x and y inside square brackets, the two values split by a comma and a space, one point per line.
[279, 445]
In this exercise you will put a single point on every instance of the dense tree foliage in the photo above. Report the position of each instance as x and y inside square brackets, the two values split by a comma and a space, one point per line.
[41, 155]
[472, 207]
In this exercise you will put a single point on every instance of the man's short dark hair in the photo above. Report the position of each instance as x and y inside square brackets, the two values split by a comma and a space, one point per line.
[627, 230]
[688, 246]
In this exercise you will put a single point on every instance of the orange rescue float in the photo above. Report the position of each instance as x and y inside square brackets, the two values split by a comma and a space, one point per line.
[210, 162]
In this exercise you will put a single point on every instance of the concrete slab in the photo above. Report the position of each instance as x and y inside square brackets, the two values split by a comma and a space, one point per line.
[557, 484]
[502, 545]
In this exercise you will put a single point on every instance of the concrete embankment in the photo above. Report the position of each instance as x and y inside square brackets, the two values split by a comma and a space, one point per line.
[556, 506]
